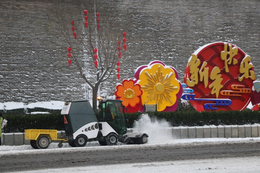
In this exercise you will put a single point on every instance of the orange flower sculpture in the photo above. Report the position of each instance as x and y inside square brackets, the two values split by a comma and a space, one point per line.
[130, 93]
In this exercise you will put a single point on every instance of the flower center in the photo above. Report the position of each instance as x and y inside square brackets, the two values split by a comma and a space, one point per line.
[129, 93]
[159, 87]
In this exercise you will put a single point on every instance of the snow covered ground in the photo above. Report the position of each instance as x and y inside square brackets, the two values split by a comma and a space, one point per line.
[225, 165]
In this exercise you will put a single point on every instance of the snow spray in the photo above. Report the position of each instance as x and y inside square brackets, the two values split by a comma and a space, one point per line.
[157, 130]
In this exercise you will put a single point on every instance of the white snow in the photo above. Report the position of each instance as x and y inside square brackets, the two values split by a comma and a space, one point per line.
[54, 105]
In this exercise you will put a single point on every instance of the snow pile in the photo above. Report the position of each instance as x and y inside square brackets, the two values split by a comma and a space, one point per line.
[157, 130]
[54, 105]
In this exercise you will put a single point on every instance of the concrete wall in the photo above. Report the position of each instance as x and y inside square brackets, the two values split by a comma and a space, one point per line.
[33, 50]
[235, 131]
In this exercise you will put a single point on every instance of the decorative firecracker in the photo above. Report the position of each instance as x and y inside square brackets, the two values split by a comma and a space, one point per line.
[69, 61]
[119, 55]
[125, 47]
[96, 63]
[75, 35]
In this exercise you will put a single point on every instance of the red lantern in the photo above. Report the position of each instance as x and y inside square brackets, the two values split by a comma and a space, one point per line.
[72, 22]
[119, 43]
[95, 50]
[73, 28]
[97, 14]
[69, 55]
[96, 63]
[124, 34]
[119, 55]
[118, 69]
[69, 49]
[124, 40]
[86, 12]
[69, 61]
[125, 47]
[75, 35]
[86, 24]
[86, 17]
[98, 20]
[119, 48]
[98, 26]
[95, 56]
[118, 63]
[118, 76]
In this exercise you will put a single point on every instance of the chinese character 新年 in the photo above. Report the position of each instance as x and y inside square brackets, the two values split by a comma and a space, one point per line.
[216, 84]
[195, 72]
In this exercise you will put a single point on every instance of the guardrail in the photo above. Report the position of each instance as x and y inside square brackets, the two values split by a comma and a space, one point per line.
[234, 131]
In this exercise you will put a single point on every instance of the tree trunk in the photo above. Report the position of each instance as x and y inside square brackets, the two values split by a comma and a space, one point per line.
[94, 99]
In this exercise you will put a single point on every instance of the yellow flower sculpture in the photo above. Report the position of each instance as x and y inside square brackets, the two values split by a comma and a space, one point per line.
[159, 85]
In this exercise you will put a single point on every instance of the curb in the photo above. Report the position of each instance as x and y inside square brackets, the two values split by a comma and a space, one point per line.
[234, 131]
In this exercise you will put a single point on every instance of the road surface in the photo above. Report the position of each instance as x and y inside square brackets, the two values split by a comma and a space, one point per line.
[90, 156]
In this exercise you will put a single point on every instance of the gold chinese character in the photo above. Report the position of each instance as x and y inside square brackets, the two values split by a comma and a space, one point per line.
[227, 57]
[216, 84]
[194, 64]
[204, 73]
[244, 69]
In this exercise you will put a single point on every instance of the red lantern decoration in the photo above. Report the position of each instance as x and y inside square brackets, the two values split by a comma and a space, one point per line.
[69, 61]
[75, 35]
[119, 43]
[98, 26]
[125, 47]
[98, 20]
[119, 55]
[86, 12]
[96, 63]
[118, 69]
[119, 48]
[124, 34]
[69, 55]
[97, 14]
[72, 22]
[73, 28]
[118, 63]
[86, 17]
[95, 50]
[124, 40]
[118, 76]
[69, 49]
[95, 56]
[86, 24]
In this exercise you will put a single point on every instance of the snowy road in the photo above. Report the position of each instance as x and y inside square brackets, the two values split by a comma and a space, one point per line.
[201, 155]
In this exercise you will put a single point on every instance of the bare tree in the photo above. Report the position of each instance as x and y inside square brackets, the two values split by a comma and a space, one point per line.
[94, 46]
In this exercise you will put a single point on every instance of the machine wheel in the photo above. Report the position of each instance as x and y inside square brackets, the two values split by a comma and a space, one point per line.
[102, 142]
[111, 139]
[33, 144]
[143, 139]
[81, 141]
[72, 143]
[43, 142]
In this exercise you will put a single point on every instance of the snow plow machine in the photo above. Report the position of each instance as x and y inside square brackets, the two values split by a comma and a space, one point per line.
[108, 127]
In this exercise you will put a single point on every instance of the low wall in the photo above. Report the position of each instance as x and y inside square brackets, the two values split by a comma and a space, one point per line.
[234, 131]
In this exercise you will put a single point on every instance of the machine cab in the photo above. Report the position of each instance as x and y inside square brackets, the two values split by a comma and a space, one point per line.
[112, 112]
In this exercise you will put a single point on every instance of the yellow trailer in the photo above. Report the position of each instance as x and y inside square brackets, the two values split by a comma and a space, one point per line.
[41, 138]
